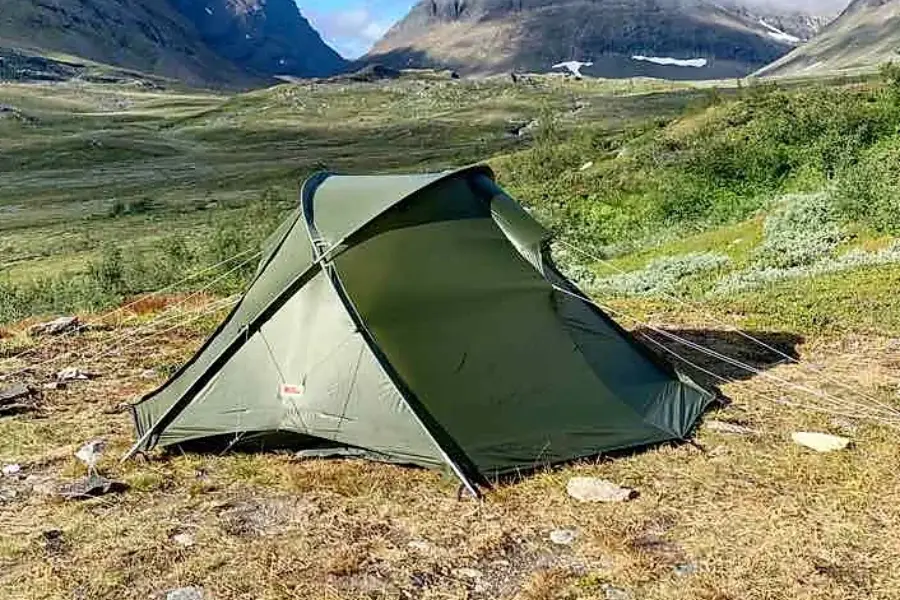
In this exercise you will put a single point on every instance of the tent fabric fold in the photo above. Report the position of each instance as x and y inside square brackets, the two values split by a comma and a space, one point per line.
[417, 319]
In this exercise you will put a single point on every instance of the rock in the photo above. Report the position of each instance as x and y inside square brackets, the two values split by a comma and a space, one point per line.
[75, 374]
[732, 428]
[11, 470]
[419, 546]
[91, 487]
[187, 593]
[185, 540]
[684, 570]
[53, 541]
[586, 166]
[45, 486]
[563, 537]
[16, 393]
[591, 489]
[820, 442]
[55, 385]
[611, 592]
[149, 374]
[55, 327]
[468, 573]
[17, 399]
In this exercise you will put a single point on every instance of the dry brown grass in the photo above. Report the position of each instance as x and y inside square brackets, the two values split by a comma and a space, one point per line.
[759, 517]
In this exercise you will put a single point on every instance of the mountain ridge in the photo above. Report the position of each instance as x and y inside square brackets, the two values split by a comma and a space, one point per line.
[492, 36]
[865, 35]
[232, 43]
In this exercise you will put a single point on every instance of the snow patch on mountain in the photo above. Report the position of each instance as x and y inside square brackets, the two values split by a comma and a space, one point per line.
[777, 34]
[672, 62]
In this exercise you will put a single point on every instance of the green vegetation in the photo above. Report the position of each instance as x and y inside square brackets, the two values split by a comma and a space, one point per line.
[717, 165]
[721, 194]
[112, 190]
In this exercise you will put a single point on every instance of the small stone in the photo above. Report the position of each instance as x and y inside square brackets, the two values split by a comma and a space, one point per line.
[44, 486]
[16, 393]
[592, 489]
[611, 592]
[468, 573]
[75, 374]
[55, 327]
[419, 546]
[55, 385]
[184, 540]
[187, 593]
[149, 374]
[820, 442]
[686, 569]
[731, 428]
[586, 166]
[53, 541]
[91, 487]
[11, 470]
[563, 537]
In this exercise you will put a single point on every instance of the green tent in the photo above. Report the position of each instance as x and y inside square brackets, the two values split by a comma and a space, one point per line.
[420, 319]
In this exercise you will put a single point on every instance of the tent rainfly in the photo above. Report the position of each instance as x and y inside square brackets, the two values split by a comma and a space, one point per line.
[420, 319]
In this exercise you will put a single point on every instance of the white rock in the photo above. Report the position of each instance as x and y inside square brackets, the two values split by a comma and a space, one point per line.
[587, 166]
[563, 537]
[723, 427]
[468, 573]
[592, 489]
[10, 470]
[188, 593]
[74, 374]
[149, 374]
[185, 540]
[820, 442]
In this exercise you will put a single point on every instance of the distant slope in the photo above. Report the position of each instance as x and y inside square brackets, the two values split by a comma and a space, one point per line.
[864, 36]
[678, 39]
[219, 42]
[267, 37]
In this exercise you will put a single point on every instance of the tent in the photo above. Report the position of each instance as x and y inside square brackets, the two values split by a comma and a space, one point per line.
[420, 319]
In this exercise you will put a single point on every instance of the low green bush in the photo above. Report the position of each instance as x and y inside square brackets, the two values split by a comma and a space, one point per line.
[869, 191]
[662, 276]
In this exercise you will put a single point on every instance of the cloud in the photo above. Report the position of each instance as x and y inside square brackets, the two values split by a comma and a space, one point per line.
[351, 31]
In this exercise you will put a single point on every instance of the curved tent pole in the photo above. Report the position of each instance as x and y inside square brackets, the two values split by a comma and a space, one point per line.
[321, 252]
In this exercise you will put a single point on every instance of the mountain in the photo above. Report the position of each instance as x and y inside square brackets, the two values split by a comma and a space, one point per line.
[678, 39]
[865, 35]
[219, 42]
[267, 37]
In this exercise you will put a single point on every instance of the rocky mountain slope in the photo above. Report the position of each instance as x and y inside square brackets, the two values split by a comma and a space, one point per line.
[220, 42]
[679, 39]
[865, 35]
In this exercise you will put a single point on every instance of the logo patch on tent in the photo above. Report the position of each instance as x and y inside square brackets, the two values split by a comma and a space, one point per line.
[291, 391]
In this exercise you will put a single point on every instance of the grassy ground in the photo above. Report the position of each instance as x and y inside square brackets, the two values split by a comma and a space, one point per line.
[89, 171]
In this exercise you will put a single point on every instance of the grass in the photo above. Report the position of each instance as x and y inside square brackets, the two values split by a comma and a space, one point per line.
[108, 202]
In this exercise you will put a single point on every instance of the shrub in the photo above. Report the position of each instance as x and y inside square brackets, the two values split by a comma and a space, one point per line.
[869, 191]
[802, 229]
[662, 275]
[759, 276]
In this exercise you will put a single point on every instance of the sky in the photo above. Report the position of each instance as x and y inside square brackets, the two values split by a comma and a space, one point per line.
[352, 26]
